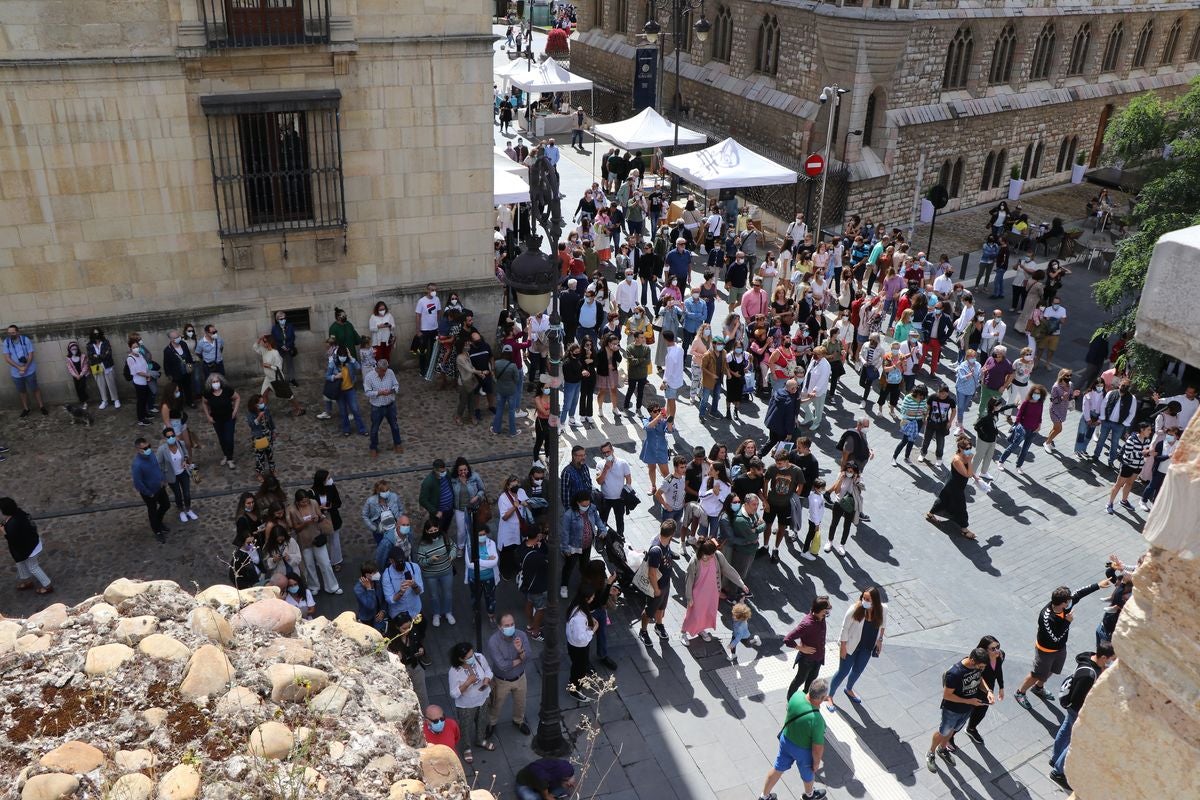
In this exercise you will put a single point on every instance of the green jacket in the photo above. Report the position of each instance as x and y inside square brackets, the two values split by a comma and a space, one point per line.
[431, 493]
[345, 335]
[637, 361]
[746, 534]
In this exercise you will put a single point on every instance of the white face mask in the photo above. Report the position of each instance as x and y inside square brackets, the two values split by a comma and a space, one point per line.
[329, 481]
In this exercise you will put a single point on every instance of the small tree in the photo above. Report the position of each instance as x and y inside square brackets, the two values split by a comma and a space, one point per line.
[556, 43]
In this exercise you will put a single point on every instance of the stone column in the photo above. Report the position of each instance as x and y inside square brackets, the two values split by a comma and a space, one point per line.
[1138, 735]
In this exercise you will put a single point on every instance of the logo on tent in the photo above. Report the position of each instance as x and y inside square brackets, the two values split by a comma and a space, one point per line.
[726, 157]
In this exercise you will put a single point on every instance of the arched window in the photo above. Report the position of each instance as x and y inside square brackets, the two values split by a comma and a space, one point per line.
[985, 182]
[1142, 50]
[1079, 49]
[1112, 50]
[944, 175]
[955, 178]
[768, 46]
[1035, 165]
[958, 60]
[1172, 43]
[598, 13]
[1002, 56]
[722, 35]
[1194, 47]
[1071, 154]
[998, 171]
[1043, 54]
[871, 118]
[1064, 160]
[621, 17]
[1027, 162]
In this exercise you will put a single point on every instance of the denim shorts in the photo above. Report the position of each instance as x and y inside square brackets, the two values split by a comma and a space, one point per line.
[953, 721]
[794, 754]
[670, 392]
[26, 383]
[538, 601]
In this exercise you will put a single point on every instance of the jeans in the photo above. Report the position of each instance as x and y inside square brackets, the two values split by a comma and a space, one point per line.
[182, 489]
[1023, 446]
[1083, 436]
[985, 273]
[144, 398]
[156, 508]
[714, 394]
[1114, 432]
[486, 587]
[1152, 488]
[650, 286]
[570, 399]
[439, 594]
[617, 506]
[964, 404]
[224, 430]
[998, 285]
[576, 138]
[601, 637]
[1062, 741]
[851, 667]
[936, 432]
[348, 404]
[378, 415]
[507, 405]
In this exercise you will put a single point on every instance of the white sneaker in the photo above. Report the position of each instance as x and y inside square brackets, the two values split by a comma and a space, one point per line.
[103, 405]
[191, 514]
[85, 406]
[1018, 470]
[841, 551]
[1144, 506]
[754, 640]
[450, 620]
[895, 463]
[1048, 447]
[324, 415]
[230, 463]
[986, 476]
[437, 620]
[183, 517]
[921, 458]
[574, 424]
[828, 548]
[116, 403]
[807, 556]
[733, 658]
[562, 592]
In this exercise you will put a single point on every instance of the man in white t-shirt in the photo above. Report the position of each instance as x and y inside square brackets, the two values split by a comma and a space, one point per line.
[713, 225]
[672, 375]
[1189, 403]
[626, 295]
[1054, 317]
[614, 476]
[993, 333]
[427, 309]
[943, 284]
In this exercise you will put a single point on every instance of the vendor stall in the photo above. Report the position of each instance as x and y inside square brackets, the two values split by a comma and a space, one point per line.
[647, 129]
[728, 165]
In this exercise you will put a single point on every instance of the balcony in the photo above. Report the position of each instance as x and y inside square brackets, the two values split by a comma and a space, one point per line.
[264, 23]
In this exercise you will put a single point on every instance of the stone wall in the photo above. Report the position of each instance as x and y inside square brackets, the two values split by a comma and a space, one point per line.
[149, 691]
[107, 208]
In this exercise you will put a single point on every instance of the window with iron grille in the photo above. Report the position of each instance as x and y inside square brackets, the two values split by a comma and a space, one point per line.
[265, 23]
[276, 161]
[1079, 49]
[1043, 54]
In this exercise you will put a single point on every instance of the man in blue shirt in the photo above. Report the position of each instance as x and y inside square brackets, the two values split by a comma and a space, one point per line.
[18, 353]
[679, 263]
[402, 585]
[552, 154]
[589, 317]
[211, 351]
[695, 312]
[150, 484]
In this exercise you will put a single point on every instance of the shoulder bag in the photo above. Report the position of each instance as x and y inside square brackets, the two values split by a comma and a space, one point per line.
[281, 388]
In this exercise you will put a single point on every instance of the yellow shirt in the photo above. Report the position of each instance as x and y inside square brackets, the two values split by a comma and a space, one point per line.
[347, 382]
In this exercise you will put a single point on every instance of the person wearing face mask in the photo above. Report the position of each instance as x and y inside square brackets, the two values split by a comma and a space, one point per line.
[808, 640]
[508, 651]
[179, 365]
[100, 363]
[341, 376]
[24, 545]
[581, 526]
[626, 296]
[368, 592]
[435, 555]
[712, 373]
[220, 404]
[951, 501]
[262, 435]
[1134, 451]
[470, 683]
[861, 636]
[440, 729]
[299, 596]
[342, 330]
[1159, 459]
[149, 480]
[173, 460]
[1025, 429]
[245, 565]
[437, 496]
[140, 374]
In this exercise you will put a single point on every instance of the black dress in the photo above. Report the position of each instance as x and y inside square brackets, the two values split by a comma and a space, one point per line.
[952, 499]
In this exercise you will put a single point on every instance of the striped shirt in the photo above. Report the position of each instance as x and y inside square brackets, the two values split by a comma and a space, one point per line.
[1131, 451]
[911, 408]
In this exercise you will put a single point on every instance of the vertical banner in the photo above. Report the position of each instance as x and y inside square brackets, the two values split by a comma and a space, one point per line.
[645, 78]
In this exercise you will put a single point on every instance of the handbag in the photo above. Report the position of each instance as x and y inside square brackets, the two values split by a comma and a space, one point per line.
[332, 390]
[630, 499]
[262, 442]
[815, 547]
[846, 503]
[483, 513]
[641, 578]
[281, 388]
[911, 430]
[1018, 433]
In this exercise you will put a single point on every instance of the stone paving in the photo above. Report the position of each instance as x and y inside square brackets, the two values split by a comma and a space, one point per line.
[682, 722]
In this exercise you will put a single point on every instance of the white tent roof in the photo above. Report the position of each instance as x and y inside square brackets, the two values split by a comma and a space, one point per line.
[511, 68]
[502, 163]
[549, 77]
[647, 129]
[509, 188]
[728, 165]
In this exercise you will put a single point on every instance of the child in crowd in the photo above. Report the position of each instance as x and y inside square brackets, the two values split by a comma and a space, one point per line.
[816, 513]
[741, 630]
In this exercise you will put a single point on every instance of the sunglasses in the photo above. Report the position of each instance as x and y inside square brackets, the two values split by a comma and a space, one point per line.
[435, 721]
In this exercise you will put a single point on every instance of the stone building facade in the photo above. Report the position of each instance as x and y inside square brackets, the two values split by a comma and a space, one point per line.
[956, 91]
[172, 161]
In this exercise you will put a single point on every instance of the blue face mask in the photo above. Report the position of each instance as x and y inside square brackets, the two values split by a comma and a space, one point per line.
[470, 660]
[170, 440]
[509, 630]
[406, 529]
[736, 507]
[293, 590]
[437, 727]
[147, 451]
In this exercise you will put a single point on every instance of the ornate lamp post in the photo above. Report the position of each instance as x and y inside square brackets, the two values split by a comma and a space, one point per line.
[534, 276]
[678, 10]
[828, 93]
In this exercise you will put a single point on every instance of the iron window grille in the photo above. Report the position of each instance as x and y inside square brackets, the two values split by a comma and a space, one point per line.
[265, 23]
[276, 161]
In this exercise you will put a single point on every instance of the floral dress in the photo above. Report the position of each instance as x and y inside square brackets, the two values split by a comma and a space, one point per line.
[1060, 402]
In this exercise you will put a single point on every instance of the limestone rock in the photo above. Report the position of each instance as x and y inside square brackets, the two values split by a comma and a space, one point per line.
[271, 740]
[209, 623]
[391, 709]
[385, 763]
[403, 790]
[105, 658]
[352, 629]
[315, 780]
[181, 783]
[159, 645]
[330, 701]
[73, 757]
[289, 651]
[237, 699]
[291, 683]
[134, 786]
[131, 630]
[256, 593]
[9, 631]
[134, 760]
[49, 786]
[336, 749]
[32, 643]
[219, 595]
[440, 766]
[122, 589]
[50, 618]
[102, 613]
[154, 716]
[482, 794]
[208, 672]
[269, 614]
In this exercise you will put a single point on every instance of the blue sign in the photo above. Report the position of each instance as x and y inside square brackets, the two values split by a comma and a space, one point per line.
[645, 78]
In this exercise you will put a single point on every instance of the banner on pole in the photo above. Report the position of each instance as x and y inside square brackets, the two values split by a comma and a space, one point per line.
[645, 78]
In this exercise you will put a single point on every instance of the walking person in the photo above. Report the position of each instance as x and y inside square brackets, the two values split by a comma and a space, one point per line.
[962, 686]
[951, 501]
[702, 590]
[24, 545]
[381, 387]
[1134, 451]
[801, 741]
[860, 637]
[808, 640]
[913, 411]
[1053, 628]
[508, 652]
[846, 497]
[659, 560]
[942, 412]
[1028, 421]
[1088, 666]
[220, 404]
[967, 376]
[986, 433]
[152, 486]
[262, 435]
[1061, 395]
[993, 679]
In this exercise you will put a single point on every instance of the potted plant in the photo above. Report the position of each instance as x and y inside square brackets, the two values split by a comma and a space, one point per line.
[1015, 184]
[1079, 167]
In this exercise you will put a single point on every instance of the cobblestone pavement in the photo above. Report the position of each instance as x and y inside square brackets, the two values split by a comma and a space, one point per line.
[682, 722]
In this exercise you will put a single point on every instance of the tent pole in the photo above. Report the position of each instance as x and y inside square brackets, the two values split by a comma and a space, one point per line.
[594, 140]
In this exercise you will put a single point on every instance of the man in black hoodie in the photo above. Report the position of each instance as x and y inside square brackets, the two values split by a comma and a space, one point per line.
[1050, 649]
[1088, 667]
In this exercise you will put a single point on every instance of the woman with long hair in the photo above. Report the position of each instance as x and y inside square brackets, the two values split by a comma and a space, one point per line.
[861, 637]
[581, 628]
[306, 520]
[330, 501]
[608, 375]
[993, 681]
[1061, 395]
[951, 501]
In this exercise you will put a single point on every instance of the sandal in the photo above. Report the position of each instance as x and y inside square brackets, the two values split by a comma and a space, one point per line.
[44, 590]
[468, 757]
[487, 744]
[25, 585]
[930, 518]
[967, 533]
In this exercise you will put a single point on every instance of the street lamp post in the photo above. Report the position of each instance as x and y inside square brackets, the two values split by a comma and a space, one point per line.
[833, 93]
[678, 10]
[534, 277]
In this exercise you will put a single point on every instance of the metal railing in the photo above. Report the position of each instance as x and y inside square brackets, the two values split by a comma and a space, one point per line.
[265, 23]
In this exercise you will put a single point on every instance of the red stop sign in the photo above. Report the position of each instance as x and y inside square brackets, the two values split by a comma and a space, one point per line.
[814, 165]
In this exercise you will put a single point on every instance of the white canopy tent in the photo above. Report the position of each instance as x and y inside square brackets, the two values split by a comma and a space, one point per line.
[647, 129]
[728, 165]
[502, 163]
[508, 187]
[549, 76]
